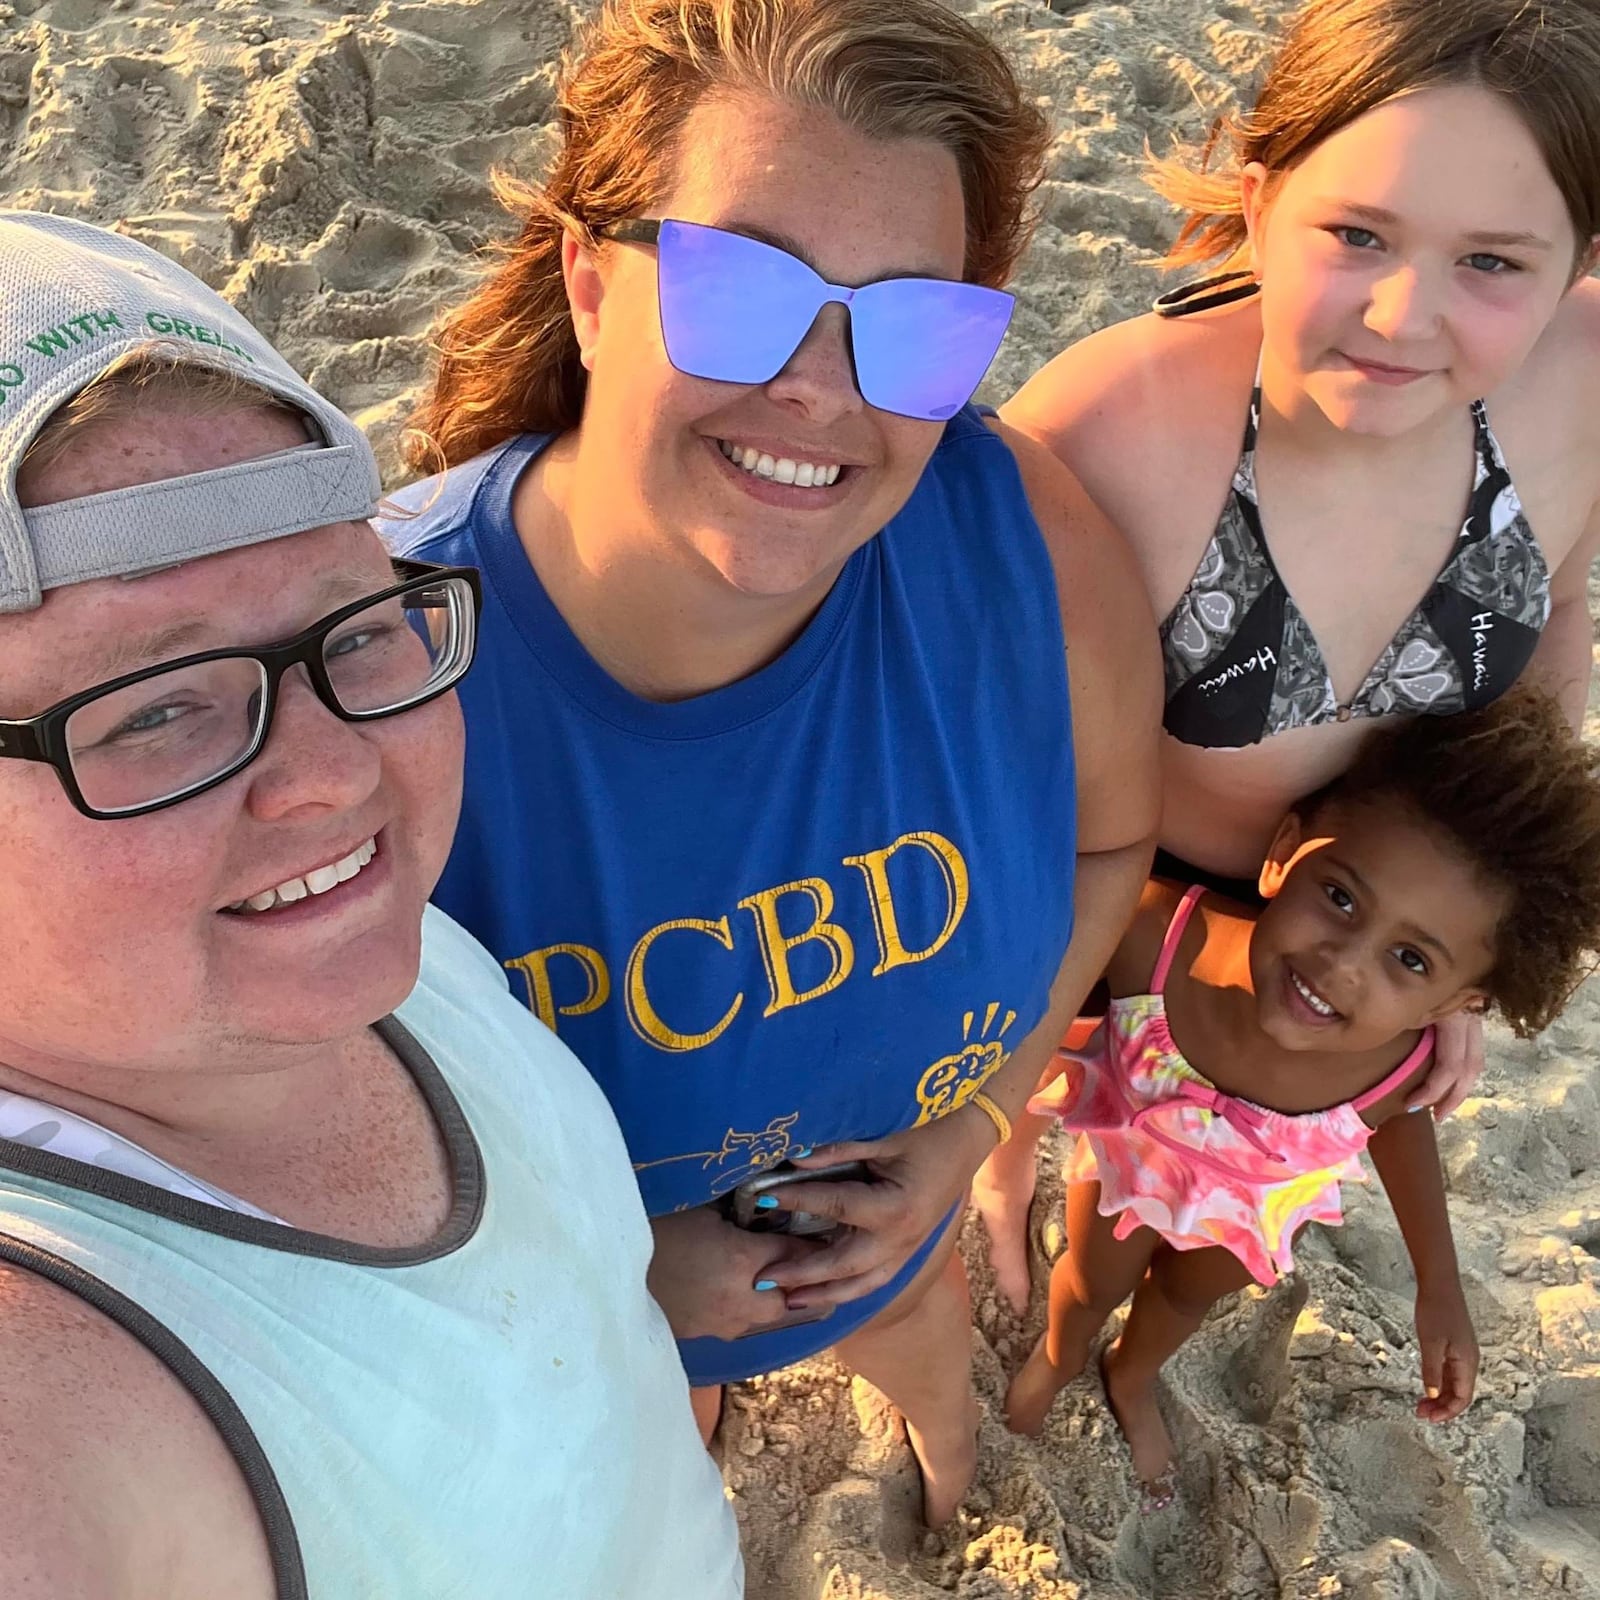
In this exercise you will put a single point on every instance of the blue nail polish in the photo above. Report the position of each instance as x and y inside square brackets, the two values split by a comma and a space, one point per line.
[1413, 1110]
[765, 1284]
[804, 1150]
[768, 1202]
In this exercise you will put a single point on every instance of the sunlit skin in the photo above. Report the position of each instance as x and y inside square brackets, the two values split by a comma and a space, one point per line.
[723, 568]
[1376, 926]
[1417, 259]
[1409, 276]
[164, 979]
[1379, 919]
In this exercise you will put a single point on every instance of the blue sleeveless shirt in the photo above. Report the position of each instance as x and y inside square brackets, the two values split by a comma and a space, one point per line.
[821, 903]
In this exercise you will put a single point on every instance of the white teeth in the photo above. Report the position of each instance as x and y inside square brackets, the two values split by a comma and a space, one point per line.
[317, 881]
[1315, 1001]
[781, 469]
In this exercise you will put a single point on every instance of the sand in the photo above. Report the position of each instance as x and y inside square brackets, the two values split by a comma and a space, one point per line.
[323, 163]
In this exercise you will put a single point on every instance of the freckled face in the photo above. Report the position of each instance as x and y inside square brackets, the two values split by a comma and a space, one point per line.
[856, 210]
[120, 951]
[1411, 261]
[1378, 929]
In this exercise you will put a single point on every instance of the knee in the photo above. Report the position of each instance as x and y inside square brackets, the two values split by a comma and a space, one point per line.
[1183, 1296]
[1072, 1282]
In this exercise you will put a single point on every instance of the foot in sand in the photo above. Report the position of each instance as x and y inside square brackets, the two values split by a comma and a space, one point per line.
[1002, 1192]
[1036, 1386]
[1132, 1399]
[948, 1461]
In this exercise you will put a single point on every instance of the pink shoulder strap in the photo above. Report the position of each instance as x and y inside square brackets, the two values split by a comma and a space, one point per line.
[1423, 1050]
[1169, 945]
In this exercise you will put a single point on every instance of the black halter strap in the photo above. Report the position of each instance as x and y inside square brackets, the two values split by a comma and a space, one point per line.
[1205, 294]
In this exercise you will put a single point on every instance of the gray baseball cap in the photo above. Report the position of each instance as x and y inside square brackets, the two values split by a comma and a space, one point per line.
[73, 298]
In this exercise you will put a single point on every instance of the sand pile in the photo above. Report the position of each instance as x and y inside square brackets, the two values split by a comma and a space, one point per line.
[324, 163]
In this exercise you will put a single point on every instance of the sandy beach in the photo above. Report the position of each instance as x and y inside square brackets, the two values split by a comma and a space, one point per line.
[324, 163]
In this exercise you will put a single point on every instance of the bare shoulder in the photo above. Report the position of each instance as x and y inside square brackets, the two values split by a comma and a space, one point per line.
[1094, 568]
[115, 1484]
[1567, 356]
[1149, 374]
[1134, 961]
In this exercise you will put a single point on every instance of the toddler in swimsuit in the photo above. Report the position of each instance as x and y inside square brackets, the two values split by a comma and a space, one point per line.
[1250, 1054]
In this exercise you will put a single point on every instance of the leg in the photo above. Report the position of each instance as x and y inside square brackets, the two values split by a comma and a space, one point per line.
[1002, 1191]
[1170, 1304]
[1089, 1282]
[918, 1353]
[707, 1407]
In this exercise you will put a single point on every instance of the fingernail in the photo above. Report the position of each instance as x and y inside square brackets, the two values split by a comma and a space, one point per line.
[799, 1305]
[766, 1283]
[768, 1202]
[1413, 1110]
[804, 1150]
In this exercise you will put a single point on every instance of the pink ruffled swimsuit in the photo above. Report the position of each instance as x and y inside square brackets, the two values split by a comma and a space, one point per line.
[1174, 1153]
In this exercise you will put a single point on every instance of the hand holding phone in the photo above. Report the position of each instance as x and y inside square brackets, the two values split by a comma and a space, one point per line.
[745, 1209]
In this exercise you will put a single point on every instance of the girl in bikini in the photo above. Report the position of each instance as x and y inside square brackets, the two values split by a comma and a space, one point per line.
[1249, 1056]
[1359, 468]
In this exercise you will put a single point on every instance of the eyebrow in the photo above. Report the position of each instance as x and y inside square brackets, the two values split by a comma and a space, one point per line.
[782, 241]
[1524, 240]
[130, 652]
[1410, 929]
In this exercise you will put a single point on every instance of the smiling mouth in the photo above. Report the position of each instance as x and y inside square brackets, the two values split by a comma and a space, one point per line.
[318, 881]
[781, 469]
[1312, 999]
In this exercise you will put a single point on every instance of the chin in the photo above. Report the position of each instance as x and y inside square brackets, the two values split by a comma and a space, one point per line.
[335, 998]
[771, 573]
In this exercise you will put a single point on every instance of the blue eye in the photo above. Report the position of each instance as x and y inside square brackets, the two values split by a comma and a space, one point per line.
[1482, 261]
[1356, 238]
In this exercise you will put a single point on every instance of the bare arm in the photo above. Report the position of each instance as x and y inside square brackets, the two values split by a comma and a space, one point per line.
[115, 1485]
[1114, 678]
[1407, 1158]
[1564, 658]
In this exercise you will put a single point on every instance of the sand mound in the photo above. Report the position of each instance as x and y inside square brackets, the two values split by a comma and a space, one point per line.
[324, 163]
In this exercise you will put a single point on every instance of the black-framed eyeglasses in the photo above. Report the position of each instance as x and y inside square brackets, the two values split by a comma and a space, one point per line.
[166, 733]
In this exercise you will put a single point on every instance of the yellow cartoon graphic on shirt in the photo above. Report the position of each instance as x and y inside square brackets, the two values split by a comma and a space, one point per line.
[953, 1080]
[751, 1153]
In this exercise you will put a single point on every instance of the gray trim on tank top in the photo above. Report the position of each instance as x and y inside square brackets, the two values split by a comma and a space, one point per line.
[277, 1522]
[465, 1160]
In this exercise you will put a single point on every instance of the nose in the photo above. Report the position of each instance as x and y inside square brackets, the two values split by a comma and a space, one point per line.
[819, 382]
[313, 761]
[1403, 304]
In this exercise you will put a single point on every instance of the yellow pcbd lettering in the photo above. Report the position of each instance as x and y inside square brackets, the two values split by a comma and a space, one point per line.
[535, 967]
[776, 945]
[875, 869]
[642, 1015]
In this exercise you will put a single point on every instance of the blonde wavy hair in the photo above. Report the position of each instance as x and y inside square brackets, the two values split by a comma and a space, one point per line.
[1342, 58]
[507, 359]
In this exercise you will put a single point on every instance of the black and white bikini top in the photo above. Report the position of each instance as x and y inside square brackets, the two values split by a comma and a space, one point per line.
[1242, 664]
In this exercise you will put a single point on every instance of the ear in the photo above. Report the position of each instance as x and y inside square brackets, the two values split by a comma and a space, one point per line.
[1475, 1001]
[585, 291]
[1281, 852]
[1255, 184]
[1587, 260]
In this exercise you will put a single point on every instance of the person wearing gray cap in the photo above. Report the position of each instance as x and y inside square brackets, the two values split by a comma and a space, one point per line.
[321, 1263]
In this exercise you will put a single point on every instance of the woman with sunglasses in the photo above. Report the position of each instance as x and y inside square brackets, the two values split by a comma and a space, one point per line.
[300, 1213]
[1367, 474]
[784, 799]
